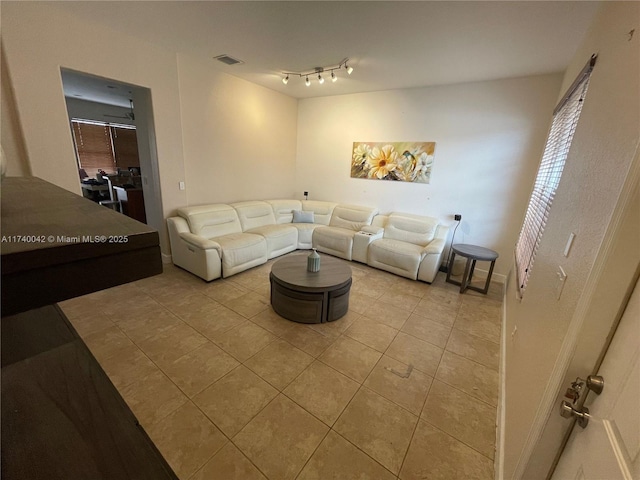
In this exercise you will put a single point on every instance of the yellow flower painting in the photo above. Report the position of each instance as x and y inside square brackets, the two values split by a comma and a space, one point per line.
[401, 161]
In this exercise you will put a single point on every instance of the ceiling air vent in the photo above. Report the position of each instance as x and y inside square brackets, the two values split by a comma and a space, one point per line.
[226, 59]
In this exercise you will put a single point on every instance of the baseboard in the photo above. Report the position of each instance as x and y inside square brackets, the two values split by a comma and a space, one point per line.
[480, 273]
[495, 277]
[498, 464]
[166, 258]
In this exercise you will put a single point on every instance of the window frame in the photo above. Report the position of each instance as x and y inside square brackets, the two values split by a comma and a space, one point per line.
[558, 143]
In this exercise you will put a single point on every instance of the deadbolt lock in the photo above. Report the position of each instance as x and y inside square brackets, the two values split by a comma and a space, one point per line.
[595, 383]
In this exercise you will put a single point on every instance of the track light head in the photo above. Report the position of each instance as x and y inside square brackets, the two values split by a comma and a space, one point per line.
[329, 71]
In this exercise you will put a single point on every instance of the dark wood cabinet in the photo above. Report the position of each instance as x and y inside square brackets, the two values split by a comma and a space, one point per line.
[132, 202]
[62, 418]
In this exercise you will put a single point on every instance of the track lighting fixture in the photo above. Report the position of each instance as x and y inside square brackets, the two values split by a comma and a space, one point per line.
[319, 71]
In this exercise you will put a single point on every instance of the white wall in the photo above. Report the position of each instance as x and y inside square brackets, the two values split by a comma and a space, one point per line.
[603, 149]
[239, 138]
[39, 39]
[489, 138]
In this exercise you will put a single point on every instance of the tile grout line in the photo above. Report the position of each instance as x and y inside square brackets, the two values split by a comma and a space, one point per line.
[281, 391]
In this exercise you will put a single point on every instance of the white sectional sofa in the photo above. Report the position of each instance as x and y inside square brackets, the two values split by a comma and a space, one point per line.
[220, 240]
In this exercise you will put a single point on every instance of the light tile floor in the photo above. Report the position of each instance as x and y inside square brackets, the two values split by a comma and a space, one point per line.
[405, 386]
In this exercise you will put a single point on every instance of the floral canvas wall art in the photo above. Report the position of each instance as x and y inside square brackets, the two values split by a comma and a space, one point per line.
[403, 161]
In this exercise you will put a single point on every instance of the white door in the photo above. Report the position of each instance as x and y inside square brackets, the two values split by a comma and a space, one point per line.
[609, 447]
[608, 290]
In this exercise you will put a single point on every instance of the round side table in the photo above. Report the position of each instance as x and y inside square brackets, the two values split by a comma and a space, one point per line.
[472, 253]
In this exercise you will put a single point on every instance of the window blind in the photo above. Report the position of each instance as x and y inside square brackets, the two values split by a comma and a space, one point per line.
[94, 147]
[125, 147]
[563, 127]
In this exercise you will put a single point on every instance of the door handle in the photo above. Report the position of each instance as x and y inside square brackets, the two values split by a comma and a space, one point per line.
[582, 415]
[576, 408]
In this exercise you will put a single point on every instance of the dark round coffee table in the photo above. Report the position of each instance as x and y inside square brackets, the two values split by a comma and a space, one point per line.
[310, 297]
[472, 253]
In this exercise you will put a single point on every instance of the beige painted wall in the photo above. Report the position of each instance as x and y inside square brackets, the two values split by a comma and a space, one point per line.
[226, 138]
[15, 155]
[39, 39]
[489, 137]
[598, 162]
[239, 138]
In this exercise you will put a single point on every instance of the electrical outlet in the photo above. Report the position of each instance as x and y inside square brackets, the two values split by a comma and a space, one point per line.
[181, 185]
[457, 217]
[306, 195]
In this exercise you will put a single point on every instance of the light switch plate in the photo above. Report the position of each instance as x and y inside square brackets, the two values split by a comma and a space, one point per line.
[567, 248]
[561, 280]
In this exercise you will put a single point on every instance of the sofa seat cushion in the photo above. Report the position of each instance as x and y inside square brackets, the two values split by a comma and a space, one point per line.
[241, 251]
[335, 241]
[396, 256]
[280, 239]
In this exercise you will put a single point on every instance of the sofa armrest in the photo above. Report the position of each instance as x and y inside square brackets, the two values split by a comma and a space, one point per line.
[435, 247]
[200, 242]
[442, 232]
[194, 253]
[362, 240]
[372, 230]
[433, 255]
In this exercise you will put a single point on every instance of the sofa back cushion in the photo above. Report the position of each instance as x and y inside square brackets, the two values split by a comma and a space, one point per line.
[211, 221]
[283, 209]
[321, 210]
[352, 217]
[254, 214]
[409, 228]
[380, 221]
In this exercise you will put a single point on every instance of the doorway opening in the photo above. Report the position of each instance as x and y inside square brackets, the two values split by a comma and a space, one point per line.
[114, 138]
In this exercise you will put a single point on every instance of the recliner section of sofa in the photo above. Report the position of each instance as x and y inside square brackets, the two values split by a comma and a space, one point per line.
[411, 246]
[258, 218]
[220, 240]
[217, 231]
[337, 238]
